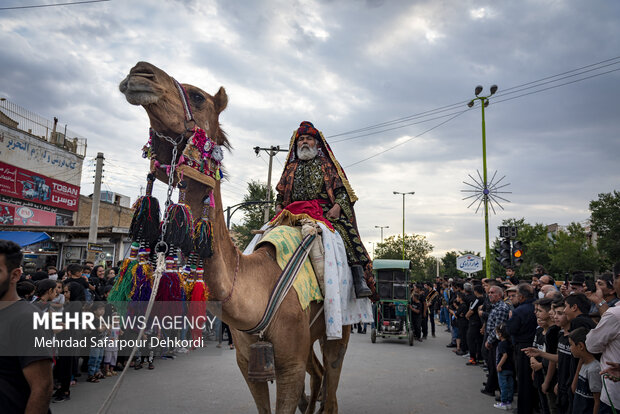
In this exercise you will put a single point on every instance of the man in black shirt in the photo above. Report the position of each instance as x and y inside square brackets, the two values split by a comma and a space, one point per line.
[474, 336]
[25, 382]
[522, 327]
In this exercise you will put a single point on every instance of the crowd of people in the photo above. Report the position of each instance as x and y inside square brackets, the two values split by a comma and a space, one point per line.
[555, 345]
[75, 288]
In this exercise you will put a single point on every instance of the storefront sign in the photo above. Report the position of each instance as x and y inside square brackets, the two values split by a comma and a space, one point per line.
[27, 185]
[14, 215]
[17, 147]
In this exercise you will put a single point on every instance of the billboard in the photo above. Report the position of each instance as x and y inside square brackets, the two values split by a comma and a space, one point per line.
[11, 214]
[19, 148]
[27, 185]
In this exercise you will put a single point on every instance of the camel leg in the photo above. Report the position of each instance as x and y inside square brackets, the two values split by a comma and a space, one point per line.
[290, 336]
[259, 390]
[333, 358]
[316, 376]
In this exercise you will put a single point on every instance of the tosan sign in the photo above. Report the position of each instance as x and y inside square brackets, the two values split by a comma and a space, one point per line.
[27, 185]
[469, 263]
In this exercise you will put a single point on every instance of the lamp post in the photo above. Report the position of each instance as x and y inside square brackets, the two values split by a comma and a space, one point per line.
[484, 102]
[236, 207]
[404, 194]
[382, 227]
[372, 244]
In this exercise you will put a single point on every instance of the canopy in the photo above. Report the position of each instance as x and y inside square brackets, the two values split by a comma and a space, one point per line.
[390, 264]
[24, 238]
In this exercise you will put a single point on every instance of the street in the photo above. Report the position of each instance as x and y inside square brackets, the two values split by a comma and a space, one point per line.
[386, 377]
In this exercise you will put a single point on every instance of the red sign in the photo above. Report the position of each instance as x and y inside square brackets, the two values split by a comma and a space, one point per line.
[27, 185]
[11, 214]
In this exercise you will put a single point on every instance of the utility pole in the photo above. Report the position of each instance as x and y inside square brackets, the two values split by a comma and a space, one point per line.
[272, 151]
[484, 102]
[382, 227]
[404, 194]
[94, 211]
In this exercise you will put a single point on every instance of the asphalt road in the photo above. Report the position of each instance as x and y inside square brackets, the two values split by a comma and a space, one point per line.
[386, 377]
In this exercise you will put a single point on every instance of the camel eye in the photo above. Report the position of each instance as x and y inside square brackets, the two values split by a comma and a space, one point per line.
[196, 97]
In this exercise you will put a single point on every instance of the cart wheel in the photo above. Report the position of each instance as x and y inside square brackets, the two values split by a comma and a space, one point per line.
[373, 336]
[411, 338]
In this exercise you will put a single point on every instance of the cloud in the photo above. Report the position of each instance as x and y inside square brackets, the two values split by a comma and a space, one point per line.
[344, 66]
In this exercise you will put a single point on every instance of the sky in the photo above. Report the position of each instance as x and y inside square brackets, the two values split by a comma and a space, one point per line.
[551, 129]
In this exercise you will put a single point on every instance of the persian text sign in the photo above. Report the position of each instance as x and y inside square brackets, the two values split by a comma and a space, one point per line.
[469, 263]
[11, 214]
[27, 185]
[19, 148]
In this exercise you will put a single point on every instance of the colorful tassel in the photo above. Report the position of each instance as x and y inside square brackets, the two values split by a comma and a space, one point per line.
[121, 291]
[198, 305]
[203, 233]
[179, 230]
[142, 283]
[146, 216]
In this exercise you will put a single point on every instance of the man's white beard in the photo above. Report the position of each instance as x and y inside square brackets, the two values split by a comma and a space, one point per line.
[306, 152]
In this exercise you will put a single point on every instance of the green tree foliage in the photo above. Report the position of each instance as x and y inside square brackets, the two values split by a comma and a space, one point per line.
[537, 248]
[253, 219]
[606, 223]
[572, 251]
[565, 251]
[417, 249]
[448, 262]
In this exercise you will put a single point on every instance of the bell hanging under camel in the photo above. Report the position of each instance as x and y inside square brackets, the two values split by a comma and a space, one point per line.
[261, 366]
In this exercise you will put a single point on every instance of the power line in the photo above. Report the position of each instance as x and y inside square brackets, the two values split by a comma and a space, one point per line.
[404, 142]
[515, 89]
[52, 5]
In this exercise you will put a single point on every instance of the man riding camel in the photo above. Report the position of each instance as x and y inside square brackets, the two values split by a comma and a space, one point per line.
[313, 183]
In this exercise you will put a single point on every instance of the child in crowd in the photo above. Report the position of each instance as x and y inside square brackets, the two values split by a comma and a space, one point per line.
[565, 360]
[96, 352]
[545, 340]
[588, 392]
[111, 349]
[462, 324]
[505, 368]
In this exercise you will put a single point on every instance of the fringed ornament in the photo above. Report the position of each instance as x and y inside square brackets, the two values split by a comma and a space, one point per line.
[121, 291]
[143, 279]
[146, 216]
[203, 233]
[198, 304]
[179, 230]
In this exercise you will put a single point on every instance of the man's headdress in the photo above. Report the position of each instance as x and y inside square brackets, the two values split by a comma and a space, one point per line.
[324, 150]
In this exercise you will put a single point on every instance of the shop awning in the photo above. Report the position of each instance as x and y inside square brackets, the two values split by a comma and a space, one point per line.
[24, 238]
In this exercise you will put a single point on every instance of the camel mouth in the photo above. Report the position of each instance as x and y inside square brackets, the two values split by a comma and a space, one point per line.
[139, 89]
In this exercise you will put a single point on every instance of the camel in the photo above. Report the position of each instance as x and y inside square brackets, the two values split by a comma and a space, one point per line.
[242, 282]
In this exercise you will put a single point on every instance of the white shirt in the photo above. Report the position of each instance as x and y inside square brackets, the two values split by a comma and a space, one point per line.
[605, 339]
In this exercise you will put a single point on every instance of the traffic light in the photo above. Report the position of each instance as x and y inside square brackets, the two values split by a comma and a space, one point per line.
[517, 253]
[503, 253]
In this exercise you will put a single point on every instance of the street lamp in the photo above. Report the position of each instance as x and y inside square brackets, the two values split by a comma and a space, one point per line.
[372, 244]
[382, 227]
[404, 194]
[229, 213]
[484, 102]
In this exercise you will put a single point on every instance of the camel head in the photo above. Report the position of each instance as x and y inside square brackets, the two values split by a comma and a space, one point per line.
[156, 91]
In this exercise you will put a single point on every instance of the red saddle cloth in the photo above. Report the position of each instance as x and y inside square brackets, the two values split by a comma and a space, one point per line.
[304, 209]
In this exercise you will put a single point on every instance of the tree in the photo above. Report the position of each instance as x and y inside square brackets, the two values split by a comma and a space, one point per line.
[572, 251]
[254, 213]
[448, 262]
[417, 248]
[606, 223]
[537, 247]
